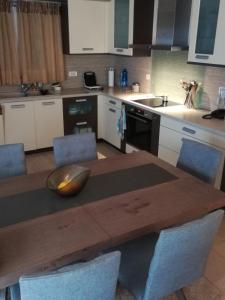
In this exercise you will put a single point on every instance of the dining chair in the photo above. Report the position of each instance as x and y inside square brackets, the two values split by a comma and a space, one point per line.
[3, 294]
[156, 266]
[12, 160]
[200, 160]
[74, 148]
[92, 280]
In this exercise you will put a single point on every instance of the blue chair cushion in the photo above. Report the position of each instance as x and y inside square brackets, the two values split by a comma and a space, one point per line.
[93, 280]
[12, 160]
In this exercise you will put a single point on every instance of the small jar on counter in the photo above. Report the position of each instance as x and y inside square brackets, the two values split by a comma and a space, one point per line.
[136, 87]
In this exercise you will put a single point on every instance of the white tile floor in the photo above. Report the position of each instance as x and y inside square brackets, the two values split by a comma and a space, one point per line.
[209, 287]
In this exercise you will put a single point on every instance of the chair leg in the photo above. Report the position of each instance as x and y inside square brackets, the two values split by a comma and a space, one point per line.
[180, 295]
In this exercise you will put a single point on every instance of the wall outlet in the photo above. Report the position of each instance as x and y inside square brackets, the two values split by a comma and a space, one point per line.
[72, 73]
[148, 76]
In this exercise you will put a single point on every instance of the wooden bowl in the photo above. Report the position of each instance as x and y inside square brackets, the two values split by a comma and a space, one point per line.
[68, 180]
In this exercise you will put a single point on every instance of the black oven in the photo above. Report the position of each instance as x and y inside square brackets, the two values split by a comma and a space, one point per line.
[142, 130]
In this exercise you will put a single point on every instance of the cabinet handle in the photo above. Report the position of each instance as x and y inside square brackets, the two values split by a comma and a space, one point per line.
[119, 50]
[112, 110]
[200, 56]
[81, 100]
[87, 49]
[81, 123]
[192, 131]
[112, 102]
[17, 106]
[48, 103]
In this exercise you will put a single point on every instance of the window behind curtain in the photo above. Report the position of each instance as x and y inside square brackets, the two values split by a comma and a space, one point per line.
[9, 61]
[39, 54]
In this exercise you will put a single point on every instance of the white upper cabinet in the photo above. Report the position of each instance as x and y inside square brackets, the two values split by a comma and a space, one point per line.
[85, 26]
[121, 26]
[207, 42]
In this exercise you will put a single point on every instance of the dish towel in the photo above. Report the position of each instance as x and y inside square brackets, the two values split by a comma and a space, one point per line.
[121, 122]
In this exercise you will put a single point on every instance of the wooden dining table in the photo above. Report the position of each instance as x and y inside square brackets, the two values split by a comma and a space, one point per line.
[128, 196]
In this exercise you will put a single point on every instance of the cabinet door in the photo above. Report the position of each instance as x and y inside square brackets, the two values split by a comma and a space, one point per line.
[101, 116]
[168, 155]
[112, 115]
[2, 138]
[48, 121]
[122, 14]
[19, 124]
[206, 32]
[80, 115]
[87, 26]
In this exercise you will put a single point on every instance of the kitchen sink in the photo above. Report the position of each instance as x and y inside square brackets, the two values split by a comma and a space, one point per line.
[4, 95]
[156, 102]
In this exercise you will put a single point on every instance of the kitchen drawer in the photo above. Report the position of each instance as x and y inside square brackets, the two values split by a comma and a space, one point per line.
[191, 131]
[172, 139]
[114, 102]
[168, 155]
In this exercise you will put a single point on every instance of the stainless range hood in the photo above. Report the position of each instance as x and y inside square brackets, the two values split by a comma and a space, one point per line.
[168, 29]
[171, 24]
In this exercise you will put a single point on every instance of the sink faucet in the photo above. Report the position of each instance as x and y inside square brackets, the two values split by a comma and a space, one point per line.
[24, 88]
[164, 99]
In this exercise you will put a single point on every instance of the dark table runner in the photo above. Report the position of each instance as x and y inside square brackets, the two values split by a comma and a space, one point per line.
[37, 203]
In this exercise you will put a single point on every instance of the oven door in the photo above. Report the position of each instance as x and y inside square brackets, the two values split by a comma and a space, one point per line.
[138, 132]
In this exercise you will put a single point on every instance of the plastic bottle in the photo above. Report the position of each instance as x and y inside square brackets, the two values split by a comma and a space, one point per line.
[123, 78]
[111, 77]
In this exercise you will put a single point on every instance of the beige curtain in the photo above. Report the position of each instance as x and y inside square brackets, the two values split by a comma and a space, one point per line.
[39, 44]
[9, 66]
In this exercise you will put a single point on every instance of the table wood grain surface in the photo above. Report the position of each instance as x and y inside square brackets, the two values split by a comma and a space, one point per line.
[74, 234]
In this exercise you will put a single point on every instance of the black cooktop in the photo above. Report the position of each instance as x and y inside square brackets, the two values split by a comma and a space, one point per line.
[156, 102]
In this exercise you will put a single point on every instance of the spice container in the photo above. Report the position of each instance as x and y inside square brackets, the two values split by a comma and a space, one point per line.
[136, 87]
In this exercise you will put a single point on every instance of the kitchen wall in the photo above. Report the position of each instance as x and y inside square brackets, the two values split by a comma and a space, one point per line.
[169, 67]
[81, 63]
[136, 67]
[166, 69]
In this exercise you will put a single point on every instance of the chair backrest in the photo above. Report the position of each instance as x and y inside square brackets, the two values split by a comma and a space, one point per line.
[180, 255]
[199, 160]
[93, 280]
[74, 148]
[12, 160]
[3, 294]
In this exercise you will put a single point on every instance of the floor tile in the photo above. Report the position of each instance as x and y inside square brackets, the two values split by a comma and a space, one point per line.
[202, 289]
[123, 294]
[215, 270]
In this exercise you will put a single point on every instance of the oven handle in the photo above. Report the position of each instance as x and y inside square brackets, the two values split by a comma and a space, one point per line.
[143, 120]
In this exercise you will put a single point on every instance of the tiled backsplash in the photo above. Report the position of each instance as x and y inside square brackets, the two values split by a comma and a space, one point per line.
[166, 69]
[136, 67]
[82, 63]
[169, 67]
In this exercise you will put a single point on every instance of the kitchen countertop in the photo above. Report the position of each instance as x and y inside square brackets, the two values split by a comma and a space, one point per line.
[178, 112]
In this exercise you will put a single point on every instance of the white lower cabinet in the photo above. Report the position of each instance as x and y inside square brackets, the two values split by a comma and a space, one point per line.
[33, 123]
[2, 135]
[170, 141]
[101, 116]
[19, 124]
[48, 121]
[168, 155]
[112, 114]
[109, 110]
